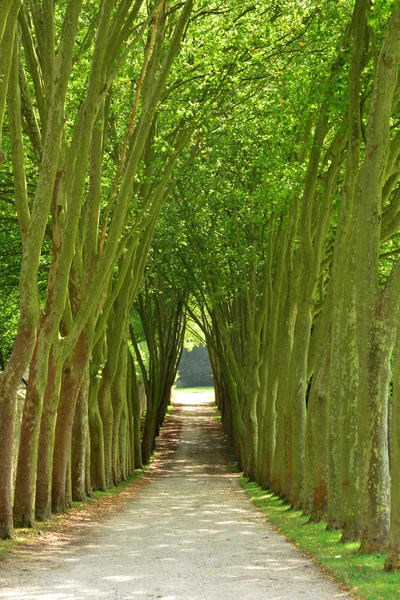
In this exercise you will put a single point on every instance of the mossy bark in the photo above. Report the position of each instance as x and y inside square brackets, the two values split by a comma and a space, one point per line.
[25, 485]
[393, 559]
[8, 27]
[47, 435]
[97, 468]
[118, 392]
[376, 311]
[137, 451]
[74, 371]
[79, 442]
[316, 461]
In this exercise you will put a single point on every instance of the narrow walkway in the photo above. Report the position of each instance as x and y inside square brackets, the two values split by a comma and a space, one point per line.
[190, 534]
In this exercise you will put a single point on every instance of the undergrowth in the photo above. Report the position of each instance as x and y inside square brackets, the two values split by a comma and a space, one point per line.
[362, 574]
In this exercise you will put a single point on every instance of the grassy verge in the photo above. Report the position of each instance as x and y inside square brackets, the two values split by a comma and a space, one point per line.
[363, 575]
[25, 537]
[138, 474]
[8, 546]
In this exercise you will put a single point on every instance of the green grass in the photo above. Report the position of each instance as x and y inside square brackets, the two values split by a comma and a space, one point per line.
[233, 468]
[8, 546]
[363, 575]
[115, 489]
[196, 390]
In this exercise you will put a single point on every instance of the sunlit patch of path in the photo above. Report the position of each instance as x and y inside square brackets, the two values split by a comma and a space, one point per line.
[190, 534]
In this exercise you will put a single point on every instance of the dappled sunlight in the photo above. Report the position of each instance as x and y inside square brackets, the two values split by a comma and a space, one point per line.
[190, 534]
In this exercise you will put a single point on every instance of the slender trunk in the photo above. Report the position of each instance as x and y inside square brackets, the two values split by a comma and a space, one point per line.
[88, 481]
[25, 485]
[136, 413]
[393, 560]
[46, 435]
[298, 365]
[79, 443]
[317, 415]
[281, 471]
[129, 410]
[149, 431]
[252, 432]
[123, 458]
[267, 434]
[68, 485]
[73, 375]
[97, 457]
[8, 25]
[334, 463]
[106, 412]
[118, 392]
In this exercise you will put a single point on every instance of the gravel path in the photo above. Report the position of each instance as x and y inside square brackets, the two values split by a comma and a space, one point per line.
[189, 534]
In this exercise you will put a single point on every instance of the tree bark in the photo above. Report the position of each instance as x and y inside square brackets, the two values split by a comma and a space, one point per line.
[79, 443]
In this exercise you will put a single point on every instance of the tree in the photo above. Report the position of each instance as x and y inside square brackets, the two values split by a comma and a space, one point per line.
[61, 188]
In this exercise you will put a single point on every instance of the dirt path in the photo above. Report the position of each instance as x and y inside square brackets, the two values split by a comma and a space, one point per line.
[189, 534]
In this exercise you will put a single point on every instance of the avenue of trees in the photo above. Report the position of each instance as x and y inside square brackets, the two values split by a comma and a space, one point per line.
[232, 164]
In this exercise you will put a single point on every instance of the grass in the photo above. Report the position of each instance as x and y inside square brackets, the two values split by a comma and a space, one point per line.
[8, 546]
[170, 409]
[233, 468]
[195, 390]
[113, 490]
[363, 575]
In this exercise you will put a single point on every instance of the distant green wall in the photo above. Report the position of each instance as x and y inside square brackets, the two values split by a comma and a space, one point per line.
[194, 369]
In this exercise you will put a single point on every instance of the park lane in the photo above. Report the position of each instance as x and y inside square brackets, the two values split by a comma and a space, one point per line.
[189, 534]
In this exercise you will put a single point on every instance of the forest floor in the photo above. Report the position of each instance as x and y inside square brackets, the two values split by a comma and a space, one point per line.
[184, 531]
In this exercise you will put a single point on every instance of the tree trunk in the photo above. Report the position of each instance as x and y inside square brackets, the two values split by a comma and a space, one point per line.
[106, 412]
[137, 452]
[73, 375]
[375, 311]
[252, 431]
[129, 416]
[149, 431]
[118, 403]
[46, 435]
[97, 458]
[79, 443]
[393, 560]
[373, 449]
[317, 415]
[25, 486]
[8, 25]
[298, 377]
